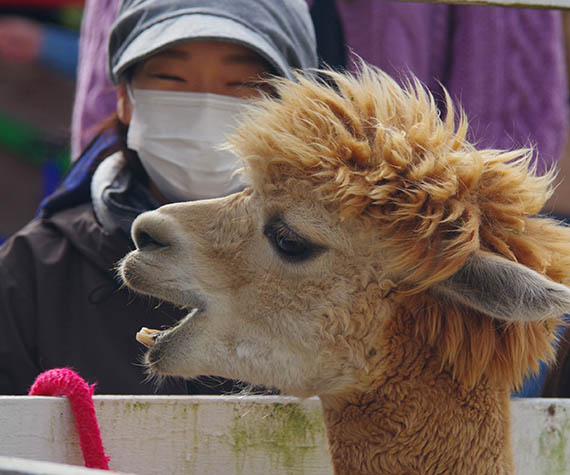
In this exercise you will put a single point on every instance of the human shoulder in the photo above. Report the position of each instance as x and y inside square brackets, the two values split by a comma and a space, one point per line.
[42, 239]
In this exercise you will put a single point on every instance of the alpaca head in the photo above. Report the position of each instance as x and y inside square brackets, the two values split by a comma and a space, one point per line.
[364, 206]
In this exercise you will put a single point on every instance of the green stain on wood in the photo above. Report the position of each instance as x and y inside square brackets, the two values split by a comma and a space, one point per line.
[284, 433]
[553, 442]
[138, 406]
[192, 453]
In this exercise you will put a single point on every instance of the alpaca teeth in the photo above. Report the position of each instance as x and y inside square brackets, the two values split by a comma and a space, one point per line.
[147, 336]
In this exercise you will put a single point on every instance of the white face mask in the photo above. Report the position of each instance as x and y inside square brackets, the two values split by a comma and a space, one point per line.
[177, 135]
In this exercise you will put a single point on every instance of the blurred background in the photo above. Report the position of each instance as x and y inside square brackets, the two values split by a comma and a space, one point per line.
[38, 60]
[39, 42]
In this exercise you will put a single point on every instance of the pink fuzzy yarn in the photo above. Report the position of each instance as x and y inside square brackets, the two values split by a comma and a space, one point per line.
[65, 382]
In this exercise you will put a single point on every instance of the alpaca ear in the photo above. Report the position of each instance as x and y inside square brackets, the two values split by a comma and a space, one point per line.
[505, 290]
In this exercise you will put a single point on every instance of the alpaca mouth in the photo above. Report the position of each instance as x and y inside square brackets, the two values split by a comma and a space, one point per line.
[149, 337]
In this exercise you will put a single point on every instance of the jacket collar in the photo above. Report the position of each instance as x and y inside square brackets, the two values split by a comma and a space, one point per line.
[118, 198]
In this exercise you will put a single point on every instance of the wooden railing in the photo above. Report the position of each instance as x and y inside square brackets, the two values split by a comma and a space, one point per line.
[250, 435]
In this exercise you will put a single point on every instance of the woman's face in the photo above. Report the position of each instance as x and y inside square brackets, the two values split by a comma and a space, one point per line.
[198, 66]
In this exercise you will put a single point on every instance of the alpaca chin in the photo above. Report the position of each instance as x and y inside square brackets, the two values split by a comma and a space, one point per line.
[167, 346]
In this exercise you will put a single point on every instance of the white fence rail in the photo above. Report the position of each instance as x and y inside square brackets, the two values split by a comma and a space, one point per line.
[150, 435]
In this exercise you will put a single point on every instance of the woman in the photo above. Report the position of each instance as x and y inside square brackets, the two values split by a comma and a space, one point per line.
[184, 69]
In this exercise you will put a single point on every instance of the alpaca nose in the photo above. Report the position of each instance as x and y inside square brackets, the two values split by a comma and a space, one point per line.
[146, 242]
[147, 236]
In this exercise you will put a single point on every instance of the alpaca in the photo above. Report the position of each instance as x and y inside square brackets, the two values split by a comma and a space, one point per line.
[377, 260]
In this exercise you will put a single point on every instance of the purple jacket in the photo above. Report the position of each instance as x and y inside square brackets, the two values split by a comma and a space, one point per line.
[504, 65]
[95, 96]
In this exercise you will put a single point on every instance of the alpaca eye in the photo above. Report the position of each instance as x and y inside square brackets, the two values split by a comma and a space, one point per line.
[289, 245]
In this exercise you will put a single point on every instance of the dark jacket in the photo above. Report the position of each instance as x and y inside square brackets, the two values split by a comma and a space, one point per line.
[61, 304]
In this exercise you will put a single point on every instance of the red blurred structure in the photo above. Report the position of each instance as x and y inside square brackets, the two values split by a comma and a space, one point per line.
[40, 3]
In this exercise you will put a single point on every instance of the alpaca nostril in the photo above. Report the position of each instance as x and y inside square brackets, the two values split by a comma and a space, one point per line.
[146, 242]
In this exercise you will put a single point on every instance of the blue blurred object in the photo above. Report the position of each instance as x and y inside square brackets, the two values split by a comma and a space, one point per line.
[52, 175]
[533, 386]
[60, 49]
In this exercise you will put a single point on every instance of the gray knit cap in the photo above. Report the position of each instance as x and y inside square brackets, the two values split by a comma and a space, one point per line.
[280, 31]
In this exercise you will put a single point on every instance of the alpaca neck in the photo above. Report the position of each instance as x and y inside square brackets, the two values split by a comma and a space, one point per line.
[419, 420]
